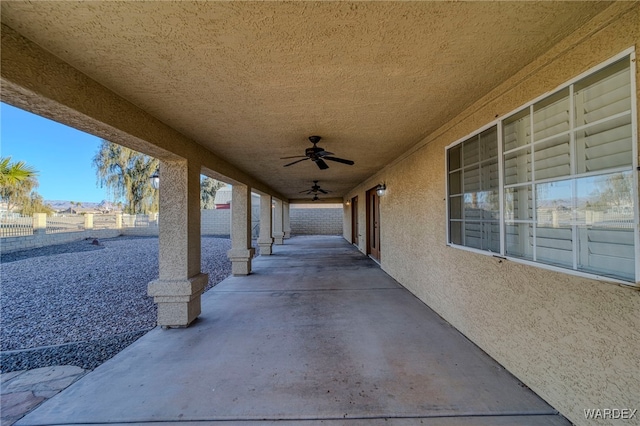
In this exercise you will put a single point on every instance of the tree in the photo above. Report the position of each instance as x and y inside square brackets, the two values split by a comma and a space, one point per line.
[13, 173]
[208, 189]
[35, 204]
[614, 191]
[17, 180]
[126, 173]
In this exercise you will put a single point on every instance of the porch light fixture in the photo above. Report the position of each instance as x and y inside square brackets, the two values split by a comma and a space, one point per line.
[155, 179]
[381, 189]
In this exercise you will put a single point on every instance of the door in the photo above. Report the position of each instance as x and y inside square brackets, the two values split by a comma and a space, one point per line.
[373, 224]
[354, 221]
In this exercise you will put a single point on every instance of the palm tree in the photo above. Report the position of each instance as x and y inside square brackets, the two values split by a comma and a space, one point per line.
[17, 180]
[125, 173]
[13, 173]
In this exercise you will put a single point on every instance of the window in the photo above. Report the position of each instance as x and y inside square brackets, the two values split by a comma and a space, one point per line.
[474, 192]
[566, 189]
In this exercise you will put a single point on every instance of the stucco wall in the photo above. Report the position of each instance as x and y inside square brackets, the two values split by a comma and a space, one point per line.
[574, 341]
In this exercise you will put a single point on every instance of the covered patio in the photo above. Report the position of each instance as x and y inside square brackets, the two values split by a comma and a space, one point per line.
[504, 135]
[318, 334]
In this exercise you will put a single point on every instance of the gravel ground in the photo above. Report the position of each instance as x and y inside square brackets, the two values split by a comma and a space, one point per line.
[79, 303]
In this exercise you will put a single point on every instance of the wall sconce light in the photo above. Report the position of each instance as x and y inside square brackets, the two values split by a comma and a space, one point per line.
[381, 189]
[155, 179]
[347, 203]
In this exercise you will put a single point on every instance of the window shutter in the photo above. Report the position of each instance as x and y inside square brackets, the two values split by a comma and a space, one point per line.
[604, 94]
[551, 116]
[607, 251]
[603, 104]
[554, 246]
[553, 158]
[605, 145]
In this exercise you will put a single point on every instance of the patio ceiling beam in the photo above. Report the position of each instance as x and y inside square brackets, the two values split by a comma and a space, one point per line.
[37, 81]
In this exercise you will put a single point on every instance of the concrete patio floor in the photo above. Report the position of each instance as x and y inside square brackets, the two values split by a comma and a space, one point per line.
[318, 334]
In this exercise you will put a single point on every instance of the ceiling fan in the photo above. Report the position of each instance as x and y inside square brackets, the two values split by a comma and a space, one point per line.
[315, 189]
[317, 155]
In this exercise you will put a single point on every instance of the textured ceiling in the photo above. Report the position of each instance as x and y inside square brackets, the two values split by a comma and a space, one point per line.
[252, 80]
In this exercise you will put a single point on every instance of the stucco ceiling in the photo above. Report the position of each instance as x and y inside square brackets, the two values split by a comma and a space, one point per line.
[252, 80]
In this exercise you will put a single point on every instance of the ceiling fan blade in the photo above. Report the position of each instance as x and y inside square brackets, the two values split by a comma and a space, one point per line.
[323, 153]
[339, 160]
[323, 191]
[321, 164]
[286, 165]
[293, 156]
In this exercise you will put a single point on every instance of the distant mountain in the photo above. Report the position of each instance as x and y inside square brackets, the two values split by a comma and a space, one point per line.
[60, 205]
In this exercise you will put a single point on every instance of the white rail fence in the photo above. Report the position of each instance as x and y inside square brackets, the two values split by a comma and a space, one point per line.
[15, 225]
[57, 224]
[25, 232]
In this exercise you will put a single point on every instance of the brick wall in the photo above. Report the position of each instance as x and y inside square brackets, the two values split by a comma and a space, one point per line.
[316, 221]
[9, 244]
[215, 222]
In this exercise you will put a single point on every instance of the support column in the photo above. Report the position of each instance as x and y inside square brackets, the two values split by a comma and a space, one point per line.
[153, 219]
[278, 224]
[241, 251]
[286, 220]
[178, 289]
[39, 221]
[88, 221]
[265, 241]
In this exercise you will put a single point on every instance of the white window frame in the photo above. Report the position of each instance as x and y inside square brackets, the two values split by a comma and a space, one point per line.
[630, 52]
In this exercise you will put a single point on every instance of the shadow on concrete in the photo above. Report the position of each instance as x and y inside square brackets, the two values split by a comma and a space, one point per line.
[317, 335]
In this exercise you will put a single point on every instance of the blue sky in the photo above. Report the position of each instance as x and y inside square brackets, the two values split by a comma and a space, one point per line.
[62, 155]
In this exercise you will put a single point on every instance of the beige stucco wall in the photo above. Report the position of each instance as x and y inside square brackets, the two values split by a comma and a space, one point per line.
[574, 341]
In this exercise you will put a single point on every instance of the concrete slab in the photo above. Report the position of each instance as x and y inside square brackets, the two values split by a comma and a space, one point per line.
[317, 334]
[425, 421]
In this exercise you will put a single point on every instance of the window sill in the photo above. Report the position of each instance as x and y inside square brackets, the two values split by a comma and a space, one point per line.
[609, 280]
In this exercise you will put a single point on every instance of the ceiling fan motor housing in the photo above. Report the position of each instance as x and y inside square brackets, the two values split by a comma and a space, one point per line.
[317, 155]
[311, 152]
